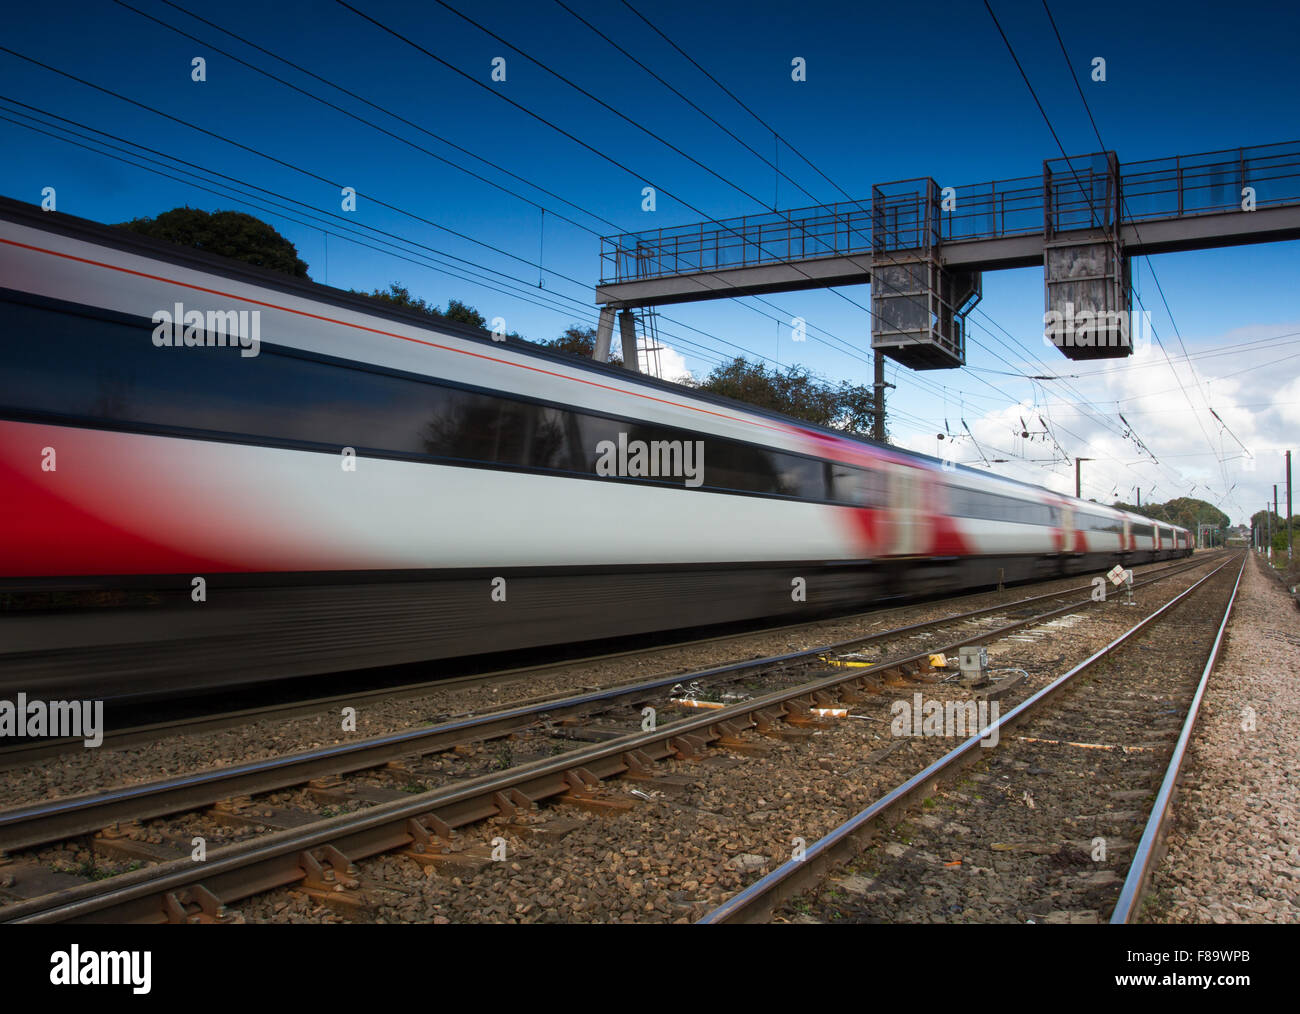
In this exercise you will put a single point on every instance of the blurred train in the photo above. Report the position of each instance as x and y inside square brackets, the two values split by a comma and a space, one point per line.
[262, 477]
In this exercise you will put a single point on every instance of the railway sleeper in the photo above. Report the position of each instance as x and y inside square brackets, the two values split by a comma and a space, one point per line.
[771, 723]
[329, 878]
[689, 747]
[434, 844]
[430, 835]
[118, 845]
[357, 794]
[729, 738]
[552, 831]
[324, 865]
[195, 904]
[797, 713]
[22, 881]
[277, 818]
[511, 802]
[585, 793]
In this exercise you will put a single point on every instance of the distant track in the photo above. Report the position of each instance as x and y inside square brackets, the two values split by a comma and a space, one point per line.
[759, 901]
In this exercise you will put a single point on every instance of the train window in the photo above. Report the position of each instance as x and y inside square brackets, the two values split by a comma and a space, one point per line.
[973, 503]
[733, 465]
[863, 487]
[1100, 523]
[801, 477]
[76, 363]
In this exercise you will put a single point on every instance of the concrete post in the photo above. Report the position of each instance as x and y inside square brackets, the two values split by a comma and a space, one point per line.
[627, 328]
[604, 332]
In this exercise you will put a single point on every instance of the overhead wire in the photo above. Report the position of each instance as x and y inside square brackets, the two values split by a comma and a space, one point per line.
[1065, 156]
[1150, 267]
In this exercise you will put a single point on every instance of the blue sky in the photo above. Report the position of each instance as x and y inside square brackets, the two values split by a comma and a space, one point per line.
[892, 92]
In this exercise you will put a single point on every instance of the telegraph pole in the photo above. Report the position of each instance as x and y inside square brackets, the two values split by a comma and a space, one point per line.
[1078, 483]
[1288, 507]
[878, 417]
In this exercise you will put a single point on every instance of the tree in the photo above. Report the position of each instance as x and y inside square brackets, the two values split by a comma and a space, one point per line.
[456, 310]
[1186, 512]
[579, 341]
[225, 233]
[794, 392]
[400, 295]
[1260, 521]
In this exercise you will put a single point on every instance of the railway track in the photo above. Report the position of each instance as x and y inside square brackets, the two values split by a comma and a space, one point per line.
[320, 856]
[998, 842]
[21, 753]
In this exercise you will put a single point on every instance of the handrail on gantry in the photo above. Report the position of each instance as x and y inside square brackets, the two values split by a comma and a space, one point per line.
[1154, 189]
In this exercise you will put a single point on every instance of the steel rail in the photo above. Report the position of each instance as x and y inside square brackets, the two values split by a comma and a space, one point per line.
[42, 823]
[284, 858]
[757, 901]
[1150, 848]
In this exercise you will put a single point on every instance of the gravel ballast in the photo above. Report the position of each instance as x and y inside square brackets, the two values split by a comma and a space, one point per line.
[1234, 847]
[677, 854]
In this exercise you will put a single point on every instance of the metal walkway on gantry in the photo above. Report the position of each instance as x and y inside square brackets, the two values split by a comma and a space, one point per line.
[926, 246]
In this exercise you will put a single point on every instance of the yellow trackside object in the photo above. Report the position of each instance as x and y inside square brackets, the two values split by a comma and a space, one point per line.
[846, 663]
[939, 660]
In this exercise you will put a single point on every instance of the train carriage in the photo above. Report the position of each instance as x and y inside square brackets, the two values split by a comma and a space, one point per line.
[349, 484]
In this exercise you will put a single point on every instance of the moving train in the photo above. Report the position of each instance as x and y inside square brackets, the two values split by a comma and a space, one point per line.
[215, 475]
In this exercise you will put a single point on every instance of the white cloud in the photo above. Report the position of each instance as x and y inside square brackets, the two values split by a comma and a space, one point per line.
[671, 364]
[1254, 389]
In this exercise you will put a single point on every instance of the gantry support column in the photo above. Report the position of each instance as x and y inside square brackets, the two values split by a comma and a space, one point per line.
[604, 332]
[627, 328]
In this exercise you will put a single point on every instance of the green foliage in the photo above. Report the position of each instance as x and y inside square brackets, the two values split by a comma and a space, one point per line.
[503, 759]
[400, 296]
[795, 392]
[579, 341]
[225, 233]
[456, 310]
[1260, 520]
[1185, 512]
